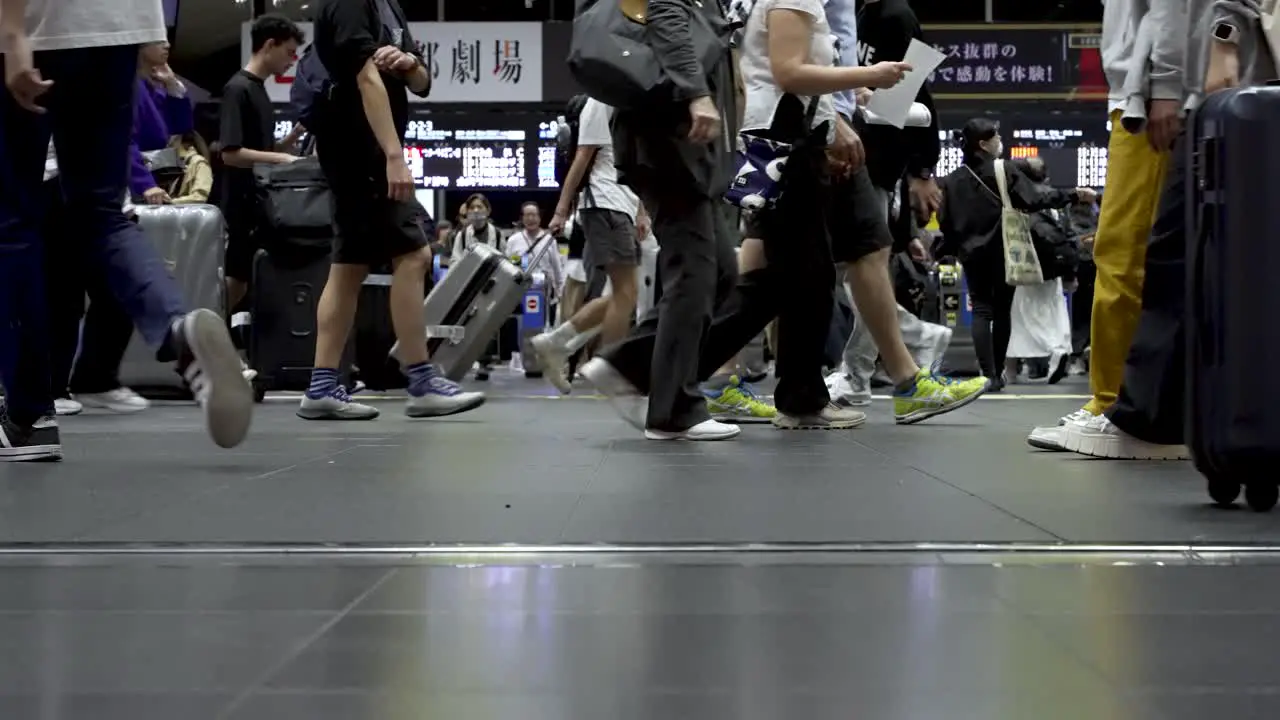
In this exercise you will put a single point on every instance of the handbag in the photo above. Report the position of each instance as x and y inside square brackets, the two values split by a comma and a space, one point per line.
[761, 162]
[166, 168]
[1021, 262]
[610, 58]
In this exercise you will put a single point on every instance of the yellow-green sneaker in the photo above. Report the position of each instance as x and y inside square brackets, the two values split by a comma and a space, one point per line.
[933, 395]
[738, 403]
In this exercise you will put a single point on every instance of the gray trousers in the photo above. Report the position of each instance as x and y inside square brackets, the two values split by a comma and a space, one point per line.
[860, 352]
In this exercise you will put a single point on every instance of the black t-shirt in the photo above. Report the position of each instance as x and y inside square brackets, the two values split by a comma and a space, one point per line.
[247, 122]
[347, 34]
[885, 30]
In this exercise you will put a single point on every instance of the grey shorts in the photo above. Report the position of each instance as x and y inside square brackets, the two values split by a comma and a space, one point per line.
[611, 238]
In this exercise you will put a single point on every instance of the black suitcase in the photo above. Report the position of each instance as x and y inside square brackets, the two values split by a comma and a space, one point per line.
[282, 335]
[1232, 419]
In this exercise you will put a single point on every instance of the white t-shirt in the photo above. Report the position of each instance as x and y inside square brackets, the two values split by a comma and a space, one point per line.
[519, 244]
[606, 193]
[757, 74]
[69, 24]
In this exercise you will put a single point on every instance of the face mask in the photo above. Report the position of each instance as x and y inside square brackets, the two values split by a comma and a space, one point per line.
[996, 149]
[478, 217]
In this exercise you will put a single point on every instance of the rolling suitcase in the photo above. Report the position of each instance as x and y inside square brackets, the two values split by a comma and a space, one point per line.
[282, 336]
[470, 305]
[1232, 419]
[190, 239]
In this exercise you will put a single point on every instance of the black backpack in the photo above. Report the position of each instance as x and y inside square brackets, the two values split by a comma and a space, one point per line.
[567, 126]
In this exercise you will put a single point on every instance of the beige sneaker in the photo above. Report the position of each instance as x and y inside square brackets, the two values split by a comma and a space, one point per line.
[829, 418]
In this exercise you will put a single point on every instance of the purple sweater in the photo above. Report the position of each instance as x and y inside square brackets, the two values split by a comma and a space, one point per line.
[157, 116]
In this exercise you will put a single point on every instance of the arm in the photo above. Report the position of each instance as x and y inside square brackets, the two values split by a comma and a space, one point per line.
[13, 16]
[1168, 48]
[377, 110]
[843, 19]
[668, 31]
[176, 107]
[578, 169]
[790, 31]
[1026, 196]
[231, 123]
[140, 178]
[419, 78]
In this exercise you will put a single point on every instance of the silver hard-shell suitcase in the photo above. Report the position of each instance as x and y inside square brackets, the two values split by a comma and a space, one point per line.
[469, 306]
[190, 238]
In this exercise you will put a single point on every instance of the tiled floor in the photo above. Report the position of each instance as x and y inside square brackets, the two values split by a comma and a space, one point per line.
[150, 589]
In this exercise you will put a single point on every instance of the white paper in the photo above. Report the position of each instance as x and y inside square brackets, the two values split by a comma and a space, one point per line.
[893, 105]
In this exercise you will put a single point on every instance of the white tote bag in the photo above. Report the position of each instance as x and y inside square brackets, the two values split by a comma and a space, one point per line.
[1021, 263]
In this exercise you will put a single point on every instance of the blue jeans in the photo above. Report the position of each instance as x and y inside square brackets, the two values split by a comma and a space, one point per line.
[90, 117]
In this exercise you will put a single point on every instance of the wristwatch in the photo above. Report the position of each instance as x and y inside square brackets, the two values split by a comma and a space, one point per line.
[1225, 32]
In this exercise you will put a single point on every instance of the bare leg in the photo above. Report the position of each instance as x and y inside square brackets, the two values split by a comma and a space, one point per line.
[877, 307]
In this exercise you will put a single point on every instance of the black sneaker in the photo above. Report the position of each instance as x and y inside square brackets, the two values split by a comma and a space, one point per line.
[208, 361]
[38, 443]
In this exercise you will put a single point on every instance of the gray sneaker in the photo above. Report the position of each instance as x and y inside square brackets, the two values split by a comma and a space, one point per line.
[337, 405]
[831, 417]
[442, 397]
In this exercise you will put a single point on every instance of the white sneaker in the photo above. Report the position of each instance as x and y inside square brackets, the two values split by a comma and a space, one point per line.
[840, 388]
[936, 340]
[442, 397]
[1050, 438]
[122, 400]
[621, 394]
[705, 430]
[249, 373]
[1098, 437]
[337, 405]
[554, 358]
[211, 365]
[66, 406]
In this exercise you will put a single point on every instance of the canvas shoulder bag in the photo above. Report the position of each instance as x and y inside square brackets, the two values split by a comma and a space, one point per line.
[1021, 262]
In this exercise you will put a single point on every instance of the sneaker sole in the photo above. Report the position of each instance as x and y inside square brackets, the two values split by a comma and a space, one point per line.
[615, 401]
[922, 415]
[1045, 445]
[837, 425]
[117, 409]
[741, 419]
[1103, 447]
[36, 453]
[418, 413]
[663, 436]
[324, 415]
[229, 407]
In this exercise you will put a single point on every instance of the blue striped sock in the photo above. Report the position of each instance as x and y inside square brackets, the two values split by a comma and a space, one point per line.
[323, 382]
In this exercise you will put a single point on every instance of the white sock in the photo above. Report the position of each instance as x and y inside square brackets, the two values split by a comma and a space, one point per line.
[581, 339]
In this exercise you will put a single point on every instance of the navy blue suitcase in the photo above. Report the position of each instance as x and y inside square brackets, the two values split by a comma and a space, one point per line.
[1233, 420]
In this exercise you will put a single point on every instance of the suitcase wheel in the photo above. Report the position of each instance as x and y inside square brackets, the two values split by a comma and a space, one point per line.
[1262, 496]
[1224, 492]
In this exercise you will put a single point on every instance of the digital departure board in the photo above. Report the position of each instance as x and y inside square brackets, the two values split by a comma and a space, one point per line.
[1072, 146]
[475, 151]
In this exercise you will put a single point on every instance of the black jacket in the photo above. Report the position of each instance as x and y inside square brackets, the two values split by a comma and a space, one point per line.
[970, 215]
[1060, 253]
[885, 30]
[650, 145]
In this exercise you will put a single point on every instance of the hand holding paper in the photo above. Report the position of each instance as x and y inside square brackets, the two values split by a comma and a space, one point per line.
[893, 104]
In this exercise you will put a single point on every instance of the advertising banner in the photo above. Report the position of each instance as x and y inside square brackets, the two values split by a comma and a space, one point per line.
[496, 62]
[1016, 62]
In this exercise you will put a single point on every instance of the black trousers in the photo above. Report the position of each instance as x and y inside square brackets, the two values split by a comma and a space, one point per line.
[795, 288]
[1151, 405]
[107, 329]
[992, 300]
[1082, 307]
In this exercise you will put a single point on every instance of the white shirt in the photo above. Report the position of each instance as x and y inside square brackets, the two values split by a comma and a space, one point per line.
[606, 193]
[68, 24]
[520, 245]
[763, 92]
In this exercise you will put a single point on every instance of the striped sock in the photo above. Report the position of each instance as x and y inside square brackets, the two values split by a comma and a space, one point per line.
[323, 382]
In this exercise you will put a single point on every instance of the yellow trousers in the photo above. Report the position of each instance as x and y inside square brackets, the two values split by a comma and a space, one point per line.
[1135, 176]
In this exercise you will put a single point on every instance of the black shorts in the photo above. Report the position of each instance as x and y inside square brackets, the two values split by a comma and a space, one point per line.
[372, 229]
[857, 218]
[611, 238]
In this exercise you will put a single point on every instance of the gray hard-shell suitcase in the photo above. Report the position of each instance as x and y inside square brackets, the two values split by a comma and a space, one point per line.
[467, 309]
[190, 238]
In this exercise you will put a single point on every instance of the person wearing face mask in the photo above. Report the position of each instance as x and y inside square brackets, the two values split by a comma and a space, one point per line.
[970, 221]
[476, 229]
[1041, 326]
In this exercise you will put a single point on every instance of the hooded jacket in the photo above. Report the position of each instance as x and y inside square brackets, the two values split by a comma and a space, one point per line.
[1143, 48]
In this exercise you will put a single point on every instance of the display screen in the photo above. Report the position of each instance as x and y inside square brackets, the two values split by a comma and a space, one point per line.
[481, 152]
[1073, 147]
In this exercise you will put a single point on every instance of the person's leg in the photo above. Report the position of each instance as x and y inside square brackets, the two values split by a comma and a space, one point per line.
[105, 338]
[982, 298]
[239, 258]
[1001, 321]
[1146, 421]
[1135, 174]
[64, 282]
[93, 167]
[26, 433]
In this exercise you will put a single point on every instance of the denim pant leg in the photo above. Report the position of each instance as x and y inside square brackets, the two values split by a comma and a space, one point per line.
[99, 83]
[24, 322]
